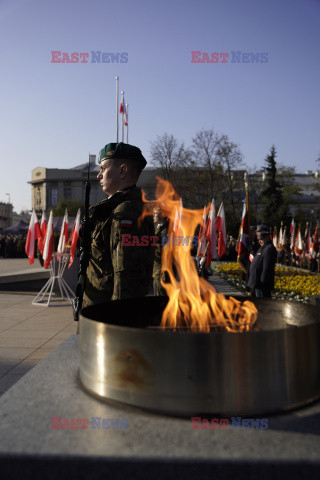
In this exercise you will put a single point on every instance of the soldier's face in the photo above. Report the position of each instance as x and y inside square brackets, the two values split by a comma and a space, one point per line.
[109, 176]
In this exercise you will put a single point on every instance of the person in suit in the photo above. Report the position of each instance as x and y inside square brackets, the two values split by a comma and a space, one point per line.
[262, 268]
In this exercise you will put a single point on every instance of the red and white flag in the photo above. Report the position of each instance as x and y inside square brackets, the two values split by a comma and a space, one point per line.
[33, 234]
[211, 235]
[309, 245]
[298, 246]
[315, 244]
[275, 238]
[292, 227]
[74, 237]
[280, 239]
[202, 242]
[125, 115]
[306, 241]
[63, 234]
[292, 235]
[48, 243]
[43, 229]
[221, 228]
[123, 111]
[284, 238]
[178, 219]
[243, 247]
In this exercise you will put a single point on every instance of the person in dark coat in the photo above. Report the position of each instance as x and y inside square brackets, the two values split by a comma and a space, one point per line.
[262, 268]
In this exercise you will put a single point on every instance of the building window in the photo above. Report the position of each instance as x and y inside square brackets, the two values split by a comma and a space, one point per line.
[54, 197]
[66, 192]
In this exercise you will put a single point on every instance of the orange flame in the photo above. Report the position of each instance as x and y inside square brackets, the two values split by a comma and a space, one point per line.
[193, 302]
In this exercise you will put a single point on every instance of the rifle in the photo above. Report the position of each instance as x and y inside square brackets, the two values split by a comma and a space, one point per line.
[85, 251]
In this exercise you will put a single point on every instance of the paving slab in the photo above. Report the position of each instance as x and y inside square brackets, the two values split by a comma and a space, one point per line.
[28, 333]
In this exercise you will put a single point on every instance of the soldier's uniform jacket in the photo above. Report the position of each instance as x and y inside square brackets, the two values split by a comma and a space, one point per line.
[116, 271]
[160, 230]
[262, 268]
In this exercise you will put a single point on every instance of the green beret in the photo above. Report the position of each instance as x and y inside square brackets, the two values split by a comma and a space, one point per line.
[122, 150]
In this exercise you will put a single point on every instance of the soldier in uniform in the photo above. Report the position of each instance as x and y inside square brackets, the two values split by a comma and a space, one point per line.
[161, 226]
[262, 268]
[115, 269]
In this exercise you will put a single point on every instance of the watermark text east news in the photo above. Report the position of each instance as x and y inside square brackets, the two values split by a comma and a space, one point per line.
[199, 423]
[96, 423]
[128, 240]
[225, 57]
[84, 57]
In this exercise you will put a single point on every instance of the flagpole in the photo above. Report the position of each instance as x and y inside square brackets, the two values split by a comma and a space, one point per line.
[117, 107]
[246, 186]
[122, 124]
[127, 110]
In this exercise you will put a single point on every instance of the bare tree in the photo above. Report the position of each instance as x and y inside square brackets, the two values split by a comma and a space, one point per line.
[205, 146]
[230, 161]
[169, 156]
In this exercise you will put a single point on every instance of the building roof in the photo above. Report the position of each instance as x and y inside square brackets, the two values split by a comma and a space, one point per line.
[84, 167]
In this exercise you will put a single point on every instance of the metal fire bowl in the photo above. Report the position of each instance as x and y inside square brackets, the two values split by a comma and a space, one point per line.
[125, 357]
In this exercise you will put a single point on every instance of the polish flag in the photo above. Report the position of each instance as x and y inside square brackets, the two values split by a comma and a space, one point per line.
[43, 229]
[284, 238]
[125, 115]
[292, 234]
[178, 219]
[309, 245]
[306, 241]
[63, 234]
[292, 227]
[275, 238]
[202, 237]
[211, 235]
[298, 247]
[121, 106]
[48, 243]
[221, 228]
[33, 234]
[74, 238]
[315, 244]
[280, 237]
[243, 248]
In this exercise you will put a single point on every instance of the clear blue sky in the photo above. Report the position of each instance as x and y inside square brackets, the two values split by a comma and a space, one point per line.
[53, 114]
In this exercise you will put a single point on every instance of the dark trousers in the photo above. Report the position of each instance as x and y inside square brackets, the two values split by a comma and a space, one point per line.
[262, 293]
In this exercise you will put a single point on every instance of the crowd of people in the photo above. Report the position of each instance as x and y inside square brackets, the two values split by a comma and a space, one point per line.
[285, 256]
[12, 245]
